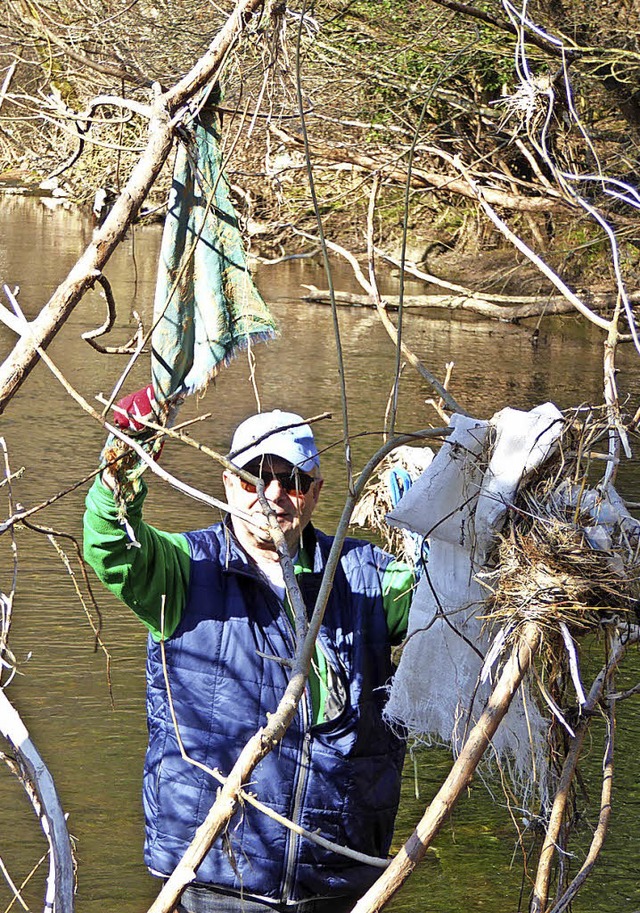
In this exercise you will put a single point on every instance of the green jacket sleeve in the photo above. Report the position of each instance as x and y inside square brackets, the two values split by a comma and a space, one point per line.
[398, 584]
[151, 579]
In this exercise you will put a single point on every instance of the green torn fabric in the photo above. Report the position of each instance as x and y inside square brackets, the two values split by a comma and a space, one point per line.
[206, 305]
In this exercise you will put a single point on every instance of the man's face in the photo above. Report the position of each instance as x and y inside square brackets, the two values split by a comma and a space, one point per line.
[291, 505]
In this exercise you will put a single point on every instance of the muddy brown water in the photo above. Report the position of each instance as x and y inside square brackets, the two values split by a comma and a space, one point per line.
[95, 751]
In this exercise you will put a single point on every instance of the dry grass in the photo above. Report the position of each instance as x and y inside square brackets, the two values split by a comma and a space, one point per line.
[551, 573]
[377, 500]
[562, 555]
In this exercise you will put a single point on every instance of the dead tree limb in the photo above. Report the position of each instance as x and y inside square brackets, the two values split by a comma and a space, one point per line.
[549, 847]
[541, 306]
[54, 314]
[520, 245]
[167, 114]
[460, 775]
[60, 890]
[334, 152]
[605, 299]
[118, 71]
[129, 348]
[603, 821]
[411, 357]
[537, 38]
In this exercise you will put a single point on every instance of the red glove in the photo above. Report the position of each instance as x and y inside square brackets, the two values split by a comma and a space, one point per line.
[130, 409]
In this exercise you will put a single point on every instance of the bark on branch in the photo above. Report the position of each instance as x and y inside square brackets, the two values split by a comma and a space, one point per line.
[167, 113]
[459, 777]
[561, 798]
[419, 178]
[538, 39]
[541, 306]
[604, 817]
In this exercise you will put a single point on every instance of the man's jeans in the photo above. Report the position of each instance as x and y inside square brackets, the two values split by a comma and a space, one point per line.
[200, 899]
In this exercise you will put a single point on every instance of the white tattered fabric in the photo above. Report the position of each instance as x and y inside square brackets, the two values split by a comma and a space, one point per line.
[460, 503]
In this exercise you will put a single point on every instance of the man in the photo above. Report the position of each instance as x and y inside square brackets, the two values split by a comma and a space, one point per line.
[214, 603]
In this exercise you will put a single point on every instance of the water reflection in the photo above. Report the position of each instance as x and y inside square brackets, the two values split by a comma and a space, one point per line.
[96, 752]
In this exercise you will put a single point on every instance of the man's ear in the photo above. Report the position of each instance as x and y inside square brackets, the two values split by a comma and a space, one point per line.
[317, 489]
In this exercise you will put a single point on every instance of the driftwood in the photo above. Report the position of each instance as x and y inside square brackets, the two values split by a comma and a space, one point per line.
[535, 306]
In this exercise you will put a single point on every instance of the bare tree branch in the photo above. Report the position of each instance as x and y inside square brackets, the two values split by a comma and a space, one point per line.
[418, 177]
[444, 394]
[461, 773]
[167, 115]
[131, 75]
[603, 821]
[543, 876]
[54, 825]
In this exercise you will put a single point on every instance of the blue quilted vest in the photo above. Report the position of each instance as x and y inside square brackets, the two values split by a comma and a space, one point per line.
[340, 777]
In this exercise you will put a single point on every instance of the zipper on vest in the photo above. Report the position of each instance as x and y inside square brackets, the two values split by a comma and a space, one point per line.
[298, 793]
[302, 775]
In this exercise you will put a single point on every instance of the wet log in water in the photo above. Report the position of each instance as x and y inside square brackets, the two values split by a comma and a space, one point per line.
[534, 306]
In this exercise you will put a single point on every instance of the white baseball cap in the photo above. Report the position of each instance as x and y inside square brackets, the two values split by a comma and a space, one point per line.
[277, 433]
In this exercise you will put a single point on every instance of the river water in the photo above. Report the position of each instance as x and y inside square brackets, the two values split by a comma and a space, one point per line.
[94, 750]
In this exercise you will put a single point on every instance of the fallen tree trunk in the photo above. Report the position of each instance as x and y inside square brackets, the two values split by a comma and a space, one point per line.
[542, 306]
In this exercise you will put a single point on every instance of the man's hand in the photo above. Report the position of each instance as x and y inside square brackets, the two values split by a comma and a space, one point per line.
[133, 410]
[130, 415]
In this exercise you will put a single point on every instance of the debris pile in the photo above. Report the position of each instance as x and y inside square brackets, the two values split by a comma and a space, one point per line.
[518, 531]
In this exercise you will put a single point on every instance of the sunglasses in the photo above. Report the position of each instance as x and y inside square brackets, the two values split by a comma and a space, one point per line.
[298, 483]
